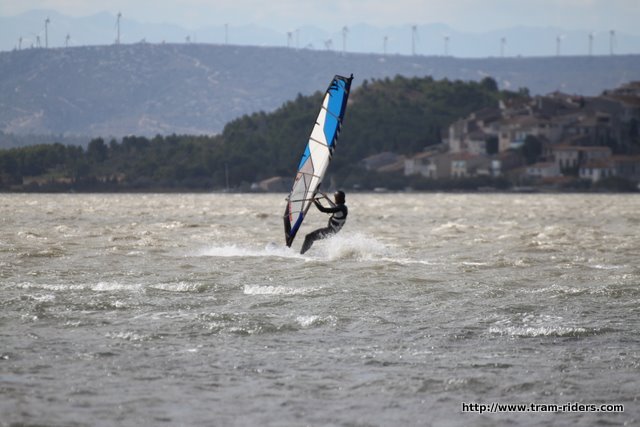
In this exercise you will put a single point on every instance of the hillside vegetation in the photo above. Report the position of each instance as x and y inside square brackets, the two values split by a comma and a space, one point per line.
[401, 114]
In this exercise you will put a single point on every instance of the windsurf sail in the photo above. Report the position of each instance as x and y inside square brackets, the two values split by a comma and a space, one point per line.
[317, 155]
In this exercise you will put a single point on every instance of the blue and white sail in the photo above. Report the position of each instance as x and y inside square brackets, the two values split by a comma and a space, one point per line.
[317, 155]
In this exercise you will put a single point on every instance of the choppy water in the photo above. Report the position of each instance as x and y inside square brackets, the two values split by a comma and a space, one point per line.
[177, 310]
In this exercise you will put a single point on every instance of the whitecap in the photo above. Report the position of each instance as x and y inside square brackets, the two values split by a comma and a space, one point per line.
[450, 227]
[306, 321]
[531, 325]
[128, 336]
[114, 287]
[605, 267]
[276, 290]
[539, 331]
[181, 286]
[43, 298]
[409, 261]
[50, 287]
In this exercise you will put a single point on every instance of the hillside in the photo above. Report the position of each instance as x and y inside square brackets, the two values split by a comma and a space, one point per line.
[400, 114]
[148, 89]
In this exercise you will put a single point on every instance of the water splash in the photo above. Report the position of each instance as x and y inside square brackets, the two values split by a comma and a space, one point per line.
[353, 247]
[236, 251]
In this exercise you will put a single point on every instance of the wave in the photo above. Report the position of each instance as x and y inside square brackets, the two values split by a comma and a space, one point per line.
[531, 326]
[341, 246]
[115, 286]
[52, 252]
[196, 287]
[239, 323]
[131, 336]
[277, 290]
[541, 331]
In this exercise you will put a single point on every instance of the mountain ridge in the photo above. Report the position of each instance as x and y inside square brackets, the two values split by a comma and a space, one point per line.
[431, 38]
[149, 89]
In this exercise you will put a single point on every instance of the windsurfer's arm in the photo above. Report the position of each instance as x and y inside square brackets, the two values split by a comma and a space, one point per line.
[319, 205]
[327, 199]
[332, 209]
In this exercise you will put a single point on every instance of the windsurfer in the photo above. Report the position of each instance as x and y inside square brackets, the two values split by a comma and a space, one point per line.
[339, 213]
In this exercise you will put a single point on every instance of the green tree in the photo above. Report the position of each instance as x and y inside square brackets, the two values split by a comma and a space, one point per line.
[489, 84]
[97, 151]
[532, 149]
[493, 145]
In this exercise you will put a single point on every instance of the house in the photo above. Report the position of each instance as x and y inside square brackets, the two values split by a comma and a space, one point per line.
[566, 157]
[597, 169]
[626, 167]
[569, 157]
[432, 164]
[476, 142]
[514, 131]
[466, 165]
[543, 170]
[470, 134]
[421, 164]
[597, 127]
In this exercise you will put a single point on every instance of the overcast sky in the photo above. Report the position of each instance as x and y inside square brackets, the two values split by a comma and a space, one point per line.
[462, 15]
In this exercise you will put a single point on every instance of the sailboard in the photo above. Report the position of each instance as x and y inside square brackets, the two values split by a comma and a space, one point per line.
[317, 155]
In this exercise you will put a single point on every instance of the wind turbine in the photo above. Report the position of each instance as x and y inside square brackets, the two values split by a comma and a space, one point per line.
[503, 44]
[559, 44]
[345, 31]
[46, 32]
[328, 44]
[414, 38]
[66, 40]
[446, 45]
[118, 27]
[289, 38]
[226, 34]
[591, 37]
[20, 43]
[612, 41]
[384, 45]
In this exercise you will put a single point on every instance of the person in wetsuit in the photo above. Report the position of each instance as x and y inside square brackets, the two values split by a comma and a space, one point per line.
[339, 213]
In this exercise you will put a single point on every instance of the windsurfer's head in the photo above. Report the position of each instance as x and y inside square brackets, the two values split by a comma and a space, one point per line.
[339, 196]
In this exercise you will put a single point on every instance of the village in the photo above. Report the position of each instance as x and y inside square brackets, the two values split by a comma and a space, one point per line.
[544, 142]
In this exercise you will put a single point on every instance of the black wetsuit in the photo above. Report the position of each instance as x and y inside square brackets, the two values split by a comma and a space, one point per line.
[336, 222]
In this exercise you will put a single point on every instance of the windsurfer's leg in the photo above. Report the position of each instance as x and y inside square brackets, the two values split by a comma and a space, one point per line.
[319, 234]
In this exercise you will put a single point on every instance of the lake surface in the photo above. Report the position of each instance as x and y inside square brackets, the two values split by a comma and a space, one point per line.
[173, 310]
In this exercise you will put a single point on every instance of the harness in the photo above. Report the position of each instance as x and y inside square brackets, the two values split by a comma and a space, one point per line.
[338, 219]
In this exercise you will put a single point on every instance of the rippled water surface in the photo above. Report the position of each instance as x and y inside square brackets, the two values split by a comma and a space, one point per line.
[188, 310]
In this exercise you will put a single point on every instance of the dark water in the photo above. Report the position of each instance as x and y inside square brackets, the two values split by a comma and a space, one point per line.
[179, 310]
